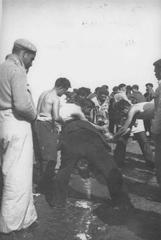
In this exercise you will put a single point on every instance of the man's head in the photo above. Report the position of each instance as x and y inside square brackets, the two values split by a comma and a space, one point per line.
[62, 85]
[148, 86]
[128, 88]
[70, 96]
[83, 92]
[121, 110]
[26, 52]
[115, 89]
[135, 88]
[86, 105]
[105, 87]
[157, 69]
[102, 94]
[96, 90]
[122, 87]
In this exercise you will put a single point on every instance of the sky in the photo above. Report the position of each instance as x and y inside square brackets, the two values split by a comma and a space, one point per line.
[90, 42]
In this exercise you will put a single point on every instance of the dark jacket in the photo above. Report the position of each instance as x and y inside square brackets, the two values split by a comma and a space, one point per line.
[137, 97]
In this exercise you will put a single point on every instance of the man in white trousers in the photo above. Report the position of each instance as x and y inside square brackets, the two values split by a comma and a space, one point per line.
[17, 112]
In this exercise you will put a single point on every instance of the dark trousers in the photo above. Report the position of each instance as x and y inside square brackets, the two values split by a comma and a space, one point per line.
[158, 158]
[147, 124]
[145, 146]
[45, 147]
[85, 144]
[120, 150]
[1, 184]
[113, 126]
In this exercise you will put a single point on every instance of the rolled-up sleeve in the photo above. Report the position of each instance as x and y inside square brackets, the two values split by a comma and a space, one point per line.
[21, 97]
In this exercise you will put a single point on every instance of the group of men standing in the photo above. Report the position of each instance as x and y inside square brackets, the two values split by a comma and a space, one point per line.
[21, 123]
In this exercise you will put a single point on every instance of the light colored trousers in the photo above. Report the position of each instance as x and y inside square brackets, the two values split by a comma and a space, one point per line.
[16, 152]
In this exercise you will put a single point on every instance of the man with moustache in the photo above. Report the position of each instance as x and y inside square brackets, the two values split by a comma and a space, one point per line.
[17, 112]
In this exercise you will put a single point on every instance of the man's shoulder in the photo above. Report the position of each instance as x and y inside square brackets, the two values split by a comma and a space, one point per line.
[54, 97]
[50, 96]
[9, 65]
[12, 69]
[43, 95]
[157, 91]
[139, 97]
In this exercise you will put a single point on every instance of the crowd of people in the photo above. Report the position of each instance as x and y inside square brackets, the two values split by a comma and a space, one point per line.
[78, 126]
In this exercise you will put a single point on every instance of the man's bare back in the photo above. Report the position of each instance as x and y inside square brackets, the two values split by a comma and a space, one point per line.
[48, 104]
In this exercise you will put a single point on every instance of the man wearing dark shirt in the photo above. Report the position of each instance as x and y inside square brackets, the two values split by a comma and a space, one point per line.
[156, 123]
[149, 96]
[136, 95]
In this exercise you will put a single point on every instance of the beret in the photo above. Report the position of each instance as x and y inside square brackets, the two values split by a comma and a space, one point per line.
[25, 44]
[157, 63]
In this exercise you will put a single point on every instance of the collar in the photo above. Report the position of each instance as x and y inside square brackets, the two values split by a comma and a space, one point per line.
[14, 58]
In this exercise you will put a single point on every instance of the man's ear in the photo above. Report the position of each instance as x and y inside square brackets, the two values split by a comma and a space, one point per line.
[24, 54]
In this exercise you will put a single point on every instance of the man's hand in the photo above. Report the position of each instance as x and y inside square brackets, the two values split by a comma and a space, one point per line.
[122, 131]
[104, 128]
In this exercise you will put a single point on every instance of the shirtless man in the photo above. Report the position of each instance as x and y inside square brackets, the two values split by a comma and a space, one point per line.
[46, 134]
[143, 110]
[128, 115]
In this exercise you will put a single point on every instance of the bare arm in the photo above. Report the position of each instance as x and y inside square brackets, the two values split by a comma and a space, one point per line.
[101, 128]
[125, 128]
[56, 109]
[39, 104]
[80, 116]
[133, 110]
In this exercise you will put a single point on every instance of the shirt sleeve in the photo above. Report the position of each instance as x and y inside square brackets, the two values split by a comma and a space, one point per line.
[21, 97]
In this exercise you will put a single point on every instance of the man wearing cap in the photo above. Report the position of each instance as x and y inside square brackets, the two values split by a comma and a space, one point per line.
[17, 112]
[156, 123]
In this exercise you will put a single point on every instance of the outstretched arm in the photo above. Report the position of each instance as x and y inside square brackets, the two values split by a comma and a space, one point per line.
[125, 128]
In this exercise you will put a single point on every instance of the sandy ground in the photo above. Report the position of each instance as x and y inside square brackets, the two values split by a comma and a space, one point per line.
[86, 217]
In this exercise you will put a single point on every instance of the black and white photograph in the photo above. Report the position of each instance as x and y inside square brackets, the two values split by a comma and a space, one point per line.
[80, 120]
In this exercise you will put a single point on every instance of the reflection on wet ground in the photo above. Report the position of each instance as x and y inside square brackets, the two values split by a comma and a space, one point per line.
[86, 218]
